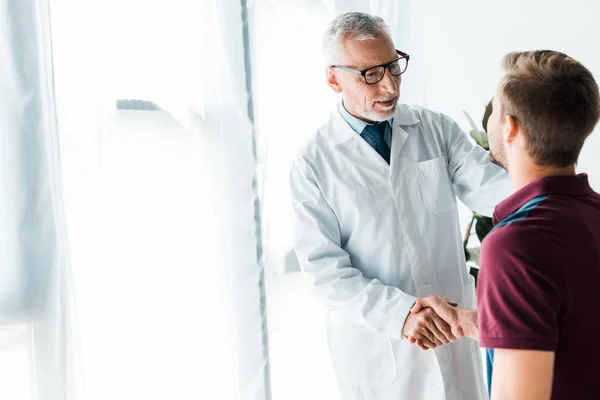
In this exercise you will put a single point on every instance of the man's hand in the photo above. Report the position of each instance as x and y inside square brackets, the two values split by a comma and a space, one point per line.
[463, 322]
[447, 312]
[428, 328]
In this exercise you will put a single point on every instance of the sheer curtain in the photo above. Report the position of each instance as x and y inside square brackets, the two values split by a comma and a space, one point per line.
[130, 253]
[35, 295]
[169, 196]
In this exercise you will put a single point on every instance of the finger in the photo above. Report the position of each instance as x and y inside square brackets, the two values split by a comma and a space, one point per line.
[426, 336]
[425, 342]
[443, 328]
[421, 345]
[438, 337]
[416, 307]
[430, 330]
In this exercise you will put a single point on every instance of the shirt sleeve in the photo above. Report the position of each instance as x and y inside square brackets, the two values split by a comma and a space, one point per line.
[478, 183]
[519, 290]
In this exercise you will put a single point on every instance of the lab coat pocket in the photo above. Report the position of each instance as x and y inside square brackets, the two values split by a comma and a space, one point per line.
[436, 191]
[363, 357]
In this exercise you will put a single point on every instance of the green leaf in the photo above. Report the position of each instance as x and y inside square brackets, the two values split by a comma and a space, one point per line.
[486, 115]
[471, 122]
[477, 135]
[481, 138]
[485, 143]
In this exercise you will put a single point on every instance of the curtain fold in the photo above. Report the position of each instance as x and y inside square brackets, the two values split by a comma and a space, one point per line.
[30, 240]
[229, 136]
[35, 263]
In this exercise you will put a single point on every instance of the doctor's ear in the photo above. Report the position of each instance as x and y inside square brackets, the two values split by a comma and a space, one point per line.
[511, 128]
[332, 80]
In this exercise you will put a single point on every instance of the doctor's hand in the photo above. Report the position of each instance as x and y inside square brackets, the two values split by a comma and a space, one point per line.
[428, 329]
[463, 322]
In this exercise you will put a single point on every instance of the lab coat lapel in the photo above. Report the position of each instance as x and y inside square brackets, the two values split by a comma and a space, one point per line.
[404, 117]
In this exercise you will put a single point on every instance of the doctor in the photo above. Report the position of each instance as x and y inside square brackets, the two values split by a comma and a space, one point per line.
[376, 224]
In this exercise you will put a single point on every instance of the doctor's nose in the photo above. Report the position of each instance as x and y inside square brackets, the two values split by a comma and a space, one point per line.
[389, 83]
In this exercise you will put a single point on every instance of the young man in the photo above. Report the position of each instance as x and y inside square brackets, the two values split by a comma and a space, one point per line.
[376, 225]
[540, 267]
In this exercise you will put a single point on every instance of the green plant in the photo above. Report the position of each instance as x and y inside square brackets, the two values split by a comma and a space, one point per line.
[483, 224]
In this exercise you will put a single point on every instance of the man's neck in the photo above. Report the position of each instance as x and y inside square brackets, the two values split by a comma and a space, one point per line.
[528, 172]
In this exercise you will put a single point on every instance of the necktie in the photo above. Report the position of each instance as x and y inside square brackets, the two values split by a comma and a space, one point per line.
[377, 135]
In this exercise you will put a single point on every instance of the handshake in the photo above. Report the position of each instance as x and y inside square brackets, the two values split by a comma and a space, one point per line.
[434, 321]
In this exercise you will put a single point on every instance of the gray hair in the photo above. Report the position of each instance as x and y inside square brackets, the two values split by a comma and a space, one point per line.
[357, 26]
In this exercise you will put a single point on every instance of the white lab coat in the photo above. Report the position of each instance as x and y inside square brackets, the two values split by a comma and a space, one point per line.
[372, 237]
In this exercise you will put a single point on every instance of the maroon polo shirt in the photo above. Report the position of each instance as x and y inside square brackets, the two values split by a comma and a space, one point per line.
[539, 285]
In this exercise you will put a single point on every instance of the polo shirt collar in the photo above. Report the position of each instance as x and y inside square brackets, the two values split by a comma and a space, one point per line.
[569, 185]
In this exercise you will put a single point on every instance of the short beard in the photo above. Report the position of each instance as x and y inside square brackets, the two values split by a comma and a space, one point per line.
[496, 161]
[376, 116]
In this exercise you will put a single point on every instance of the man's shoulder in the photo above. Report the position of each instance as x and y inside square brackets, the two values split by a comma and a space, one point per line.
[515, 234]
[419, 114]
[313, 147]
[437, 125]
[538, 220]
[517, 247]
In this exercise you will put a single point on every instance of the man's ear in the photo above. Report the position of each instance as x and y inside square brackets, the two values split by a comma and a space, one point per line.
[332, 79]
[511, 129]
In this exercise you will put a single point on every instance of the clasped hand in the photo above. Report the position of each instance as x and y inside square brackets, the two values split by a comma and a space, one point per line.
[429, 329]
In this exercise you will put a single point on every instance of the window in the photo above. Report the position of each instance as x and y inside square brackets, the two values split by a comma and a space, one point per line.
[155, 52]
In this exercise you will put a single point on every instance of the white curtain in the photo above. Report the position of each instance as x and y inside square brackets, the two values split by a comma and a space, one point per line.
[37, 344]
[129, 253]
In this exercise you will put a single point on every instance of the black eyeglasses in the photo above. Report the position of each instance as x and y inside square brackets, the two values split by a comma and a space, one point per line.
[375, 74]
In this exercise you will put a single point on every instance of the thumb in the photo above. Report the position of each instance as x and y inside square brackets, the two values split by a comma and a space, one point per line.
[418, 306]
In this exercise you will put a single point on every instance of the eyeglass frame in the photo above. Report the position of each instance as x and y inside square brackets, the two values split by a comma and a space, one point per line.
[385, 66]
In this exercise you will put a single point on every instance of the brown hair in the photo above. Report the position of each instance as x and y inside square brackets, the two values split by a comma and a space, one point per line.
[555, 100]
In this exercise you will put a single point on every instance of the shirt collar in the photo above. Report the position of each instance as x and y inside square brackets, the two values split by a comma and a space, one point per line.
[572, 185]
[339, 131]
[357, 124]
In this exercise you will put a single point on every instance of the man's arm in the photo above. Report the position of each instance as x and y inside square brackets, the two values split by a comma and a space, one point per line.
[522, 374]
[478, 183]
[341, 287]
[520, 297]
